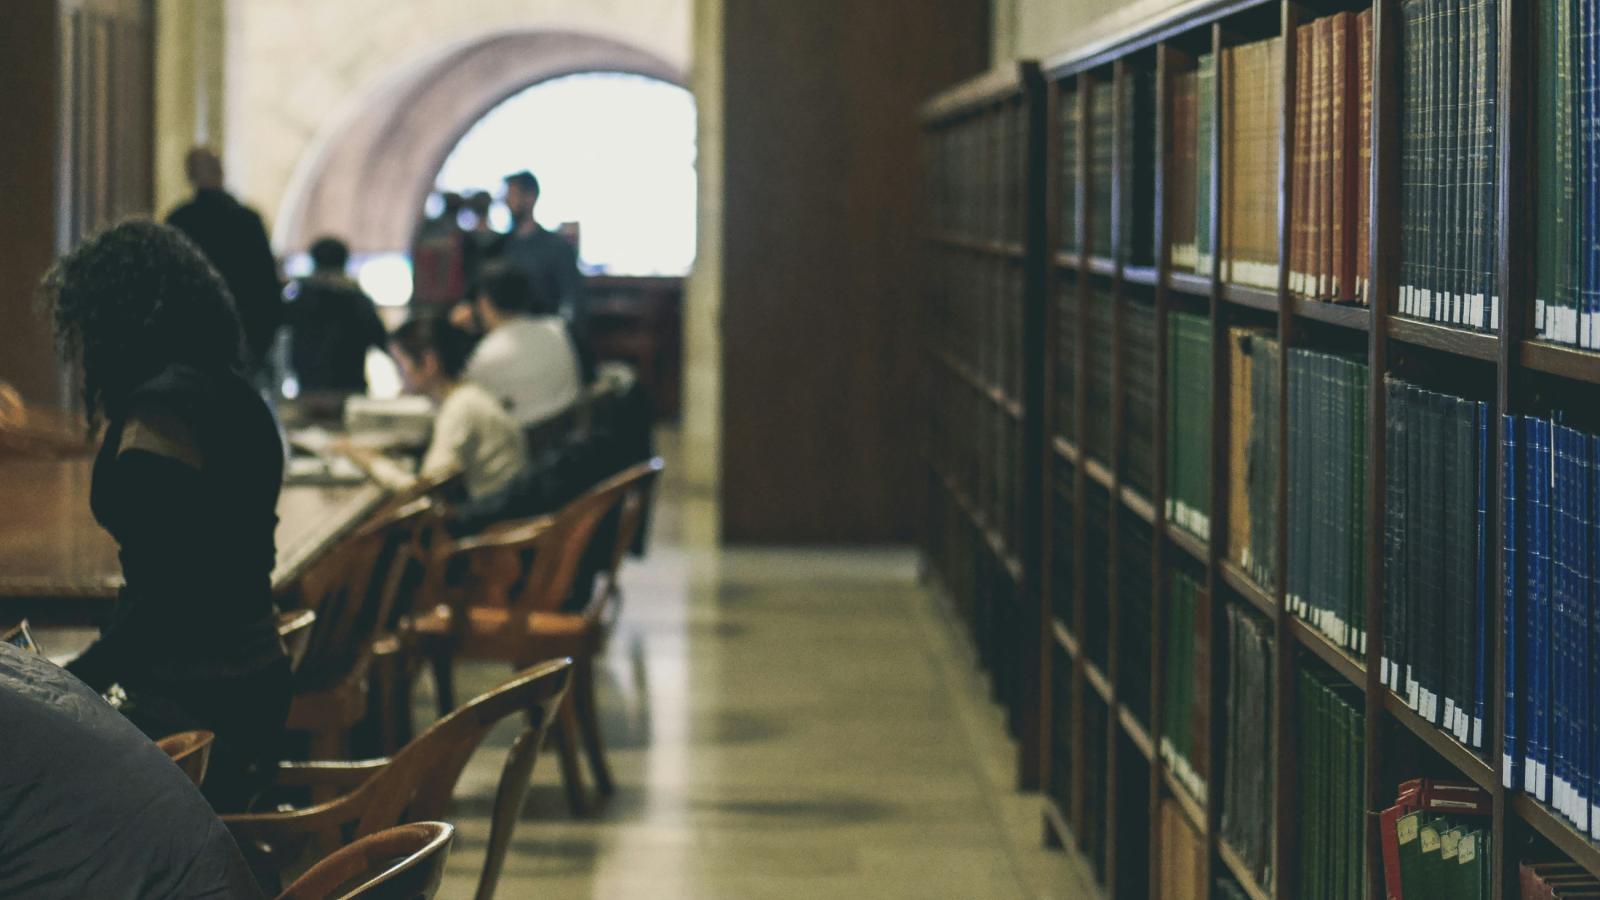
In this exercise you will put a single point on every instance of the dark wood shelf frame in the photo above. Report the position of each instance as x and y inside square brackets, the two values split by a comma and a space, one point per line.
[1170, 43]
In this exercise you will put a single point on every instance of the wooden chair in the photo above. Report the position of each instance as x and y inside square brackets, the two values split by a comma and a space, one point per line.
[405, 862]
[191, 750]
[506, 610]
[294, 629]
[351, 592]
[416, 783]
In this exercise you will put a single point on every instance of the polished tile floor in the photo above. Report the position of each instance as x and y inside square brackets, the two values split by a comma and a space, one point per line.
[782, 723]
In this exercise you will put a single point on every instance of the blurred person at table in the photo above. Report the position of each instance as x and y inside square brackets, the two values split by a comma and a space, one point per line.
[332, 324]
[526, 358]
[186, 481]
[231, 236]
[472, 432]
[89, 807]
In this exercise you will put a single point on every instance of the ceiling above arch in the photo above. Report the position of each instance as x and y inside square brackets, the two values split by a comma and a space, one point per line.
[366, 179]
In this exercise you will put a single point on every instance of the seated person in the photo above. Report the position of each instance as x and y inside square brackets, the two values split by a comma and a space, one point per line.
[472, 432]
[526, 358]
[332, 322]
[89, 807]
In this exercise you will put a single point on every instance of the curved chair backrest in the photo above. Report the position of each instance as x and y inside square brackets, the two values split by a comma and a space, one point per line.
[401, 863]
[416, 783]
[191, 750]
[294, 629]
[351, 591]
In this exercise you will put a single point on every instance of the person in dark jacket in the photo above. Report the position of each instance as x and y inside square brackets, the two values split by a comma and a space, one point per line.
[186, 481]
[332, 323]
[549, 262]
[89, 807]
[233, 239]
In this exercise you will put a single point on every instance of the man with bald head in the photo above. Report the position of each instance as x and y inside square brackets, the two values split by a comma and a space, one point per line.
[232, 237]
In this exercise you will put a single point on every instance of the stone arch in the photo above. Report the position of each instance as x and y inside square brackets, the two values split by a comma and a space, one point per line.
[366, 178]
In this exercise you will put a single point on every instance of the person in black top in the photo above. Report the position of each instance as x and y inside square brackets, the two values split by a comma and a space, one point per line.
[186, 481]
[232, 237]
[332, 322]
[550, 263]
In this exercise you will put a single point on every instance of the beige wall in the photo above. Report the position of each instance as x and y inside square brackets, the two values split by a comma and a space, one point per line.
[191, 37]
[297, 68]
[1040, 29]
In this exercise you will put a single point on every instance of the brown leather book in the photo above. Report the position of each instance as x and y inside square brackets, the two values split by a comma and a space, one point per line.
[1300, 162]
[1239, 428]
[1180, 181]
[1341, 147]
[1324, 156]
[1364, 167]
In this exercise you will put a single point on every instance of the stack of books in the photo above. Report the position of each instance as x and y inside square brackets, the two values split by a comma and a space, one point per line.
[1133, 614]
[1252, 119]
[1248, 761]
[1253, 397]
[1435, 842]
[1436, 557]
[1550, 560]
[1183, 187]
[1331, 829]
[1188, 502]
[1187, 669]
[1449, 162]
[1331, 174]
[1138, 393]
[1327, 495]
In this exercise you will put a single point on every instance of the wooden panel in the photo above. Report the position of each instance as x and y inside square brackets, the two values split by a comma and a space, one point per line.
[75, 96]
[821, 217]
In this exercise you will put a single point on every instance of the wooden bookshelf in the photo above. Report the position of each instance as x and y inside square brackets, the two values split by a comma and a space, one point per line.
[1392, 343]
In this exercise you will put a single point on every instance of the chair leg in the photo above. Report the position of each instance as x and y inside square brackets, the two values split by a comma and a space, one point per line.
[444, 681]
[508, 807]
[566, 737]
[589, 723]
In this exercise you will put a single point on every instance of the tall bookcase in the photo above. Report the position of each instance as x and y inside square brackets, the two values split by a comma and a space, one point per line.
[1097, 716]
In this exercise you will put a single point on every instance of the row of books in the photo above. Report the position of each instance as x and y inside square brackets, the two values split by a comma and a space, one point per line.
[1435, 556]
[1248, 761]
[1139, 389]
[1253, 400]
[1326, 582]
[1065, 360]
[978, 305]
[1134, 537]
[1567, 288]
[1186, 683]
[1331, 828]
[979, 447]
[1252, 125]
[1188, 501]
[1449, 171]
[1098, 370]
[977, 179]
[1331, 170]
[1551, 559]
[1435, 841]
[1553, 880]
[1132, 150]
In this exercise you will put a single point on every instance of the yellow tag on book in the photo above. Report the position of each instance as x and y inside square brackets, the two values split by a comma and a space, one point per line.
[1430, 840]
[1468, 850]
[1406, 829]
[1449, 843]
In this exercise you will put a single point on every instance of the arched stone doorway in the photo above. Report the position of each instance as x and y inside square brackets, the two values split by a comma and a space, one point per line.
[367, 178]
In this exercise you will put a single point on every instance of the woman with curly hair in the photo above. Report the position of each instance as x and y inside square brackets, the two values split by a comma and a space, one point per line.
[186, 480]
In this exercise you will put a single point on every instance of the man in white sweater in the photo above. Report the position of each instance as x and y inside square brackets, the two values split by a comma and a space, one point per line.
[526, 359]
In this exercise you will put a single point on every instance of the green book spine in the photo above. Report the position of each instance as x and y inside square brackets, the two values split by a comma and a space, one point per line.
[1205, 119]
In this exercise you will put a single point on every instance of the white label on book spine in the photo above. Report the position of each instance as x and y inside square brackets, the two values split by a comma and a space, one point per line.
[1538, 323]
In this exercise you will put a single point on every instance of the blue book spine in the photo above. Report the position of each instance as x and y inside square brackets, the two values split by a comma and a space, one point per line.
[1578, 580]
[1540, 700]
[1591, 537]
[1480, 620]
[1558, 597]
[1590, 167]
[1511, 758]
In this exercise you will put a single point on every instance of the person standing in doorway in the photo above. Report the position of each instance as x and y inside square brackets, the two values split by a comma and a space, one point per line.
[549, 262]
[233, 239]
[332, 324]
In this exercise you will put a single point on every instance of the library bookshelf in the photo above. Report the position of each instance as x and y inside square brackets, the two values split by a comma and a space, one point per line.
[1039, 280]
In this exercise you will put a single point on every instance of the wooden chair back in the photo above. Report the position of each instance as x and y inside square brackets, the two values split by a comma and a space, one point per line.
[405, 862]
[191, 750]
[558, 544]
[351, 591]
[294, 629]
[416, 783]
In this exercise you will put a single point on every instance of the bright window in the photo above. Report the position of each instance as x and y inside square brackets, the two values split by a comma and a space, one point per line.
[614, 153]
